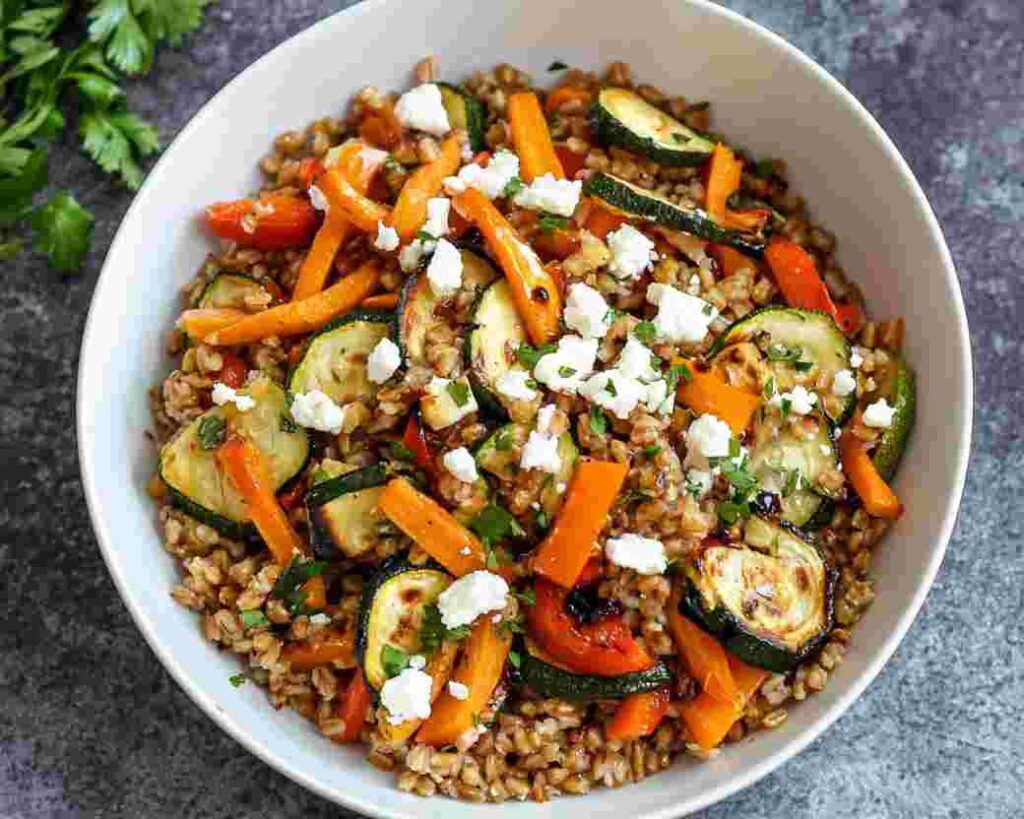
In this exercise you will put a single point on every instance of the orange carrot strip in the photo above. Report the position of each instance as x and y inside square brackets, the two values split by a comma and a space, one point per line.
[747, 220]
[383, 301]
[352, 707]
[201, 321]
[534, 291]
[703, 655]
[876, 495]
[325, 647]
[480, 670]
[272, 222]
[566, 550]
[531, 138]
[297, 317]
[638, 715]
[708, 392]
[410, 211]
[345, 197]
[731, 260]
[566, 93]
[796, 274]
[316, 267]
[432, 527]
[708, 720]
[440, 670]
[724, 175]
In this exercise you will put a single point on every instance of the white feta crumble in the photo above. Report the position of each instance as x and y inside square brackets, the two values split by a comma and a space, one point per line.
[558, 196]
[844, 383]
[659, 400]
[541, 452]
[445, 269]
[491, 181]
[698, 482]
[587, 312]
[879, 415]
[452, 185]
[637, 361]
[383, 361]
[799, 400]
[407, 696]
[316, 410]
[422, 109]
[459, 691]
[410, 256]
[387, 237]
[438, 209]
[476, 593]
[565, 368]
[681, 318]
[545, 415]
[856, 359]
[513, 384]
[417, 661]
[223, 394]
[632, 252]
[437, 385]
[615, 391]
[461, 464]
[709, 436]
[466, 152]
[317, 198]
[319, 619]
[642, 554]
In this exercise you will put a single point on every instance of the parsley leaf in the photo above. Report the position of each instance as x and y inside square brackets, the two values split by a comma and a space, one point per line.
[116, 140]
[645, 332]
[211, 431]
[787, 405]
[393, 660]
[512, 187]
[549, 222]
[529, 356]
[254, 618]
[730, 512]
[652, 450]
[802, 366]
[423, 236]
[401, 452]
[495, 523]
[764, 167]
[459, 392]
[598, 423]
[62, 230]
[768, 390]
[16, 192]
[290, 582]
[433, 631]
[611, 389]
[528, 597]
[237, 680]
[565, 372]
[515, 658]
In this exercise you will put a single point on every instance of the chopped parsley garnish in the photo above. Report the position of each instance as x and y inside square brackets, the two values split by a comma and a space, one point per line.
[211, 432]
[768, 390]
[514, 626]
[787, 405]
[802, 366]
[515, 658]
[636, 496]
[734, 447]
[529, 356]
[707, 309]
[528, 597]
[543, 520]
[550, 222]
[512, 187]
[495, 523]
[565, 372]
[459, 392]
[557, 65]
[782, 352]
[401, 452]
[503, 441]
[433, 631]
[678, 373]
[611, 389]
[287, 424]
[652, 450]
[730, 512]
[598, 423]
[423, 236]
[254, 618]
[742, 480]
[393, 660]
[289, 585]
[645, 332]
[237, 680]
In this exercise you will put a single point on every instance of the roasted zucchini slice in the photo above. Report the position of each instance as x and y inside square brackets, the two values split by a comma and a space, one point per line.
[497, 455]
[623, 118]
[465, 111]
[768, 601]
[493, 345]
[334, 361]
[237, 291]
[901, 395]
[342, 505]
[443, 408]
[800, 346]
[196, 483]
[391, 612]
[547, 679]
[632, 200]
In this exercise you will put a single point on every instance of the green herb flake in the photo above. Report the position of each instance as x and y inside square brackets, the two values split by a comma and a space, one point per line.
[557, 65]
[503, 441]
[393, 660]
[433, 631]
[237, 680]
[734, 448]
[289, 584]
[423, 236]
[528, 597]
[459, 391]
[802, 366]
[566, 372]
[645, 332]
[792, 482]
[611, 389]
[495, 523]
[652, 450]
[787, 405]
[768, 390]
[515, 658]
[211, 432]
[254, 618]
[549, 222]
[729, 512]
[543, 520]
[401, 452]
[529, 356]
[512, 187]
[598, 422]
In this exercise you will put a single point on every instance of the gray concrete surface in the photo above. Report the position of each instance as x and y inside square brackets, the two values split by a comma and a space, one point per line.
[91, 724]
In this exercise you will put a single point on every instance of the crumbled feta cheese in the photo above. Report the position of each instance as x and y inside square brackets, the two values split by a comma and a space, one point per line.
[709, 437]
[319, 619]
[856, 359]
[438, 209]
[491, 181]
[452, 185]
[407, 696]
[417, 661]
[558, 196]
[461, 464]
[223, 394]
[410, 256]
[615, 391]
[459, 691]
[632, 252]
[513, 384]
[466, 152]
[387, 237]
[637, 361]
[565, 369]
[681, 318]
[383, 360]
[316, 410]
[642, 554]
[445, 269]
[844, 383]
[799, 400]
[422, 109]
[698, 482]
[470, 596]
[879, 415]
[317, 198]
[587, 312]
[465, 550]
[437, 385]
[545, 415]
[658, 399]
[541, 452]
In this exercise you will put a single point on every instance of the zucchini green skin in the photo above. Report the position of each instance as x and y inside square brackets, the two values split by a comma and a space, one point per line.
[548, 681]
[465, 111]
[495, 322]
[613, 128]
[366, 478]
[326, 543]
[504, 465]
[416, 305]
[224, 288]
[628, 198]
[894, 439]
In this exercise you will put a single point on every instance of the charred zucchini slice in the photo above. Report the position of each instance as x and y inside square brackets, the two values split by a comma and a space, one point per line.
[498, 456]
[902, 396]
[342, 506]
[392, 611]
[768, 601]
[800, 347]
[633, 200]
[623, 118]
[335, 358]
[549, 680]
[235, 290]
[493, 345]
[189, 469]
[465, 111]
[445, 407]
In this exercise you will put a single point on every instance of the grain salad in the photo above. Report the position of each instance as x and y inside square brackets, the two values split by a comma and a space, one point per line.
[529, 438]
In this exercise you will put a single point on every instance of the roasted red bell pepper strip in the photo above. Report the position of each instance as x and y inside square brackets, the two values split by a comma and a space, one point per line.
[416, 442]
[273, 222]
[797, 276]
[352, 707]
[850, 317]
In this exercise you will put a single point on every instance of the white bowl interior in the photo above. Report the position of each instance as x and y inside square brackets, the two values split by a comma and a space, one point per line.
[766, 96]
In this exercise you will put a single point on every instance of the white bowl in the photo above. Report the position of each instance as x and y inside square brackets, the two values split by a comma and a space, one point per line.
[767, 96]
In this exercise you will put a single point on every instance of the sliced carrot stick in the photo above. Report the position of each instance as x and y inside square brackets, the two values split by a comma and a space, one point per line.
[352, 707]
[410, 211]
[708, 720]
[730, 260]
[272, 222]
[638, 715]
[382, 301]
[535, 293]
[750, 221]
[480, 670]
[440, 670]
[316, 267]
[708, 392]
[531, 138]
[432, 527]
[297, 317]
[325, 647]
[201, 321]
[344, 197]
[724, 175]
[796, 274]
[703, 655]
[876, 495]
[591, 494]
[566, 93]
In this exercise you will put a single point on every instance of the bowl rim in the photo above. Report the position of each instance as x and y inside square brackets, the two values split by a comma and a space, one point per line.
[744, 778]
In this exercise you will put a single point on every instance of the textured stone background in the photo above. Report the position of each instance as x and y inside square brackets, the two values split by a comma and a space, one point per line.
[90, 724]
